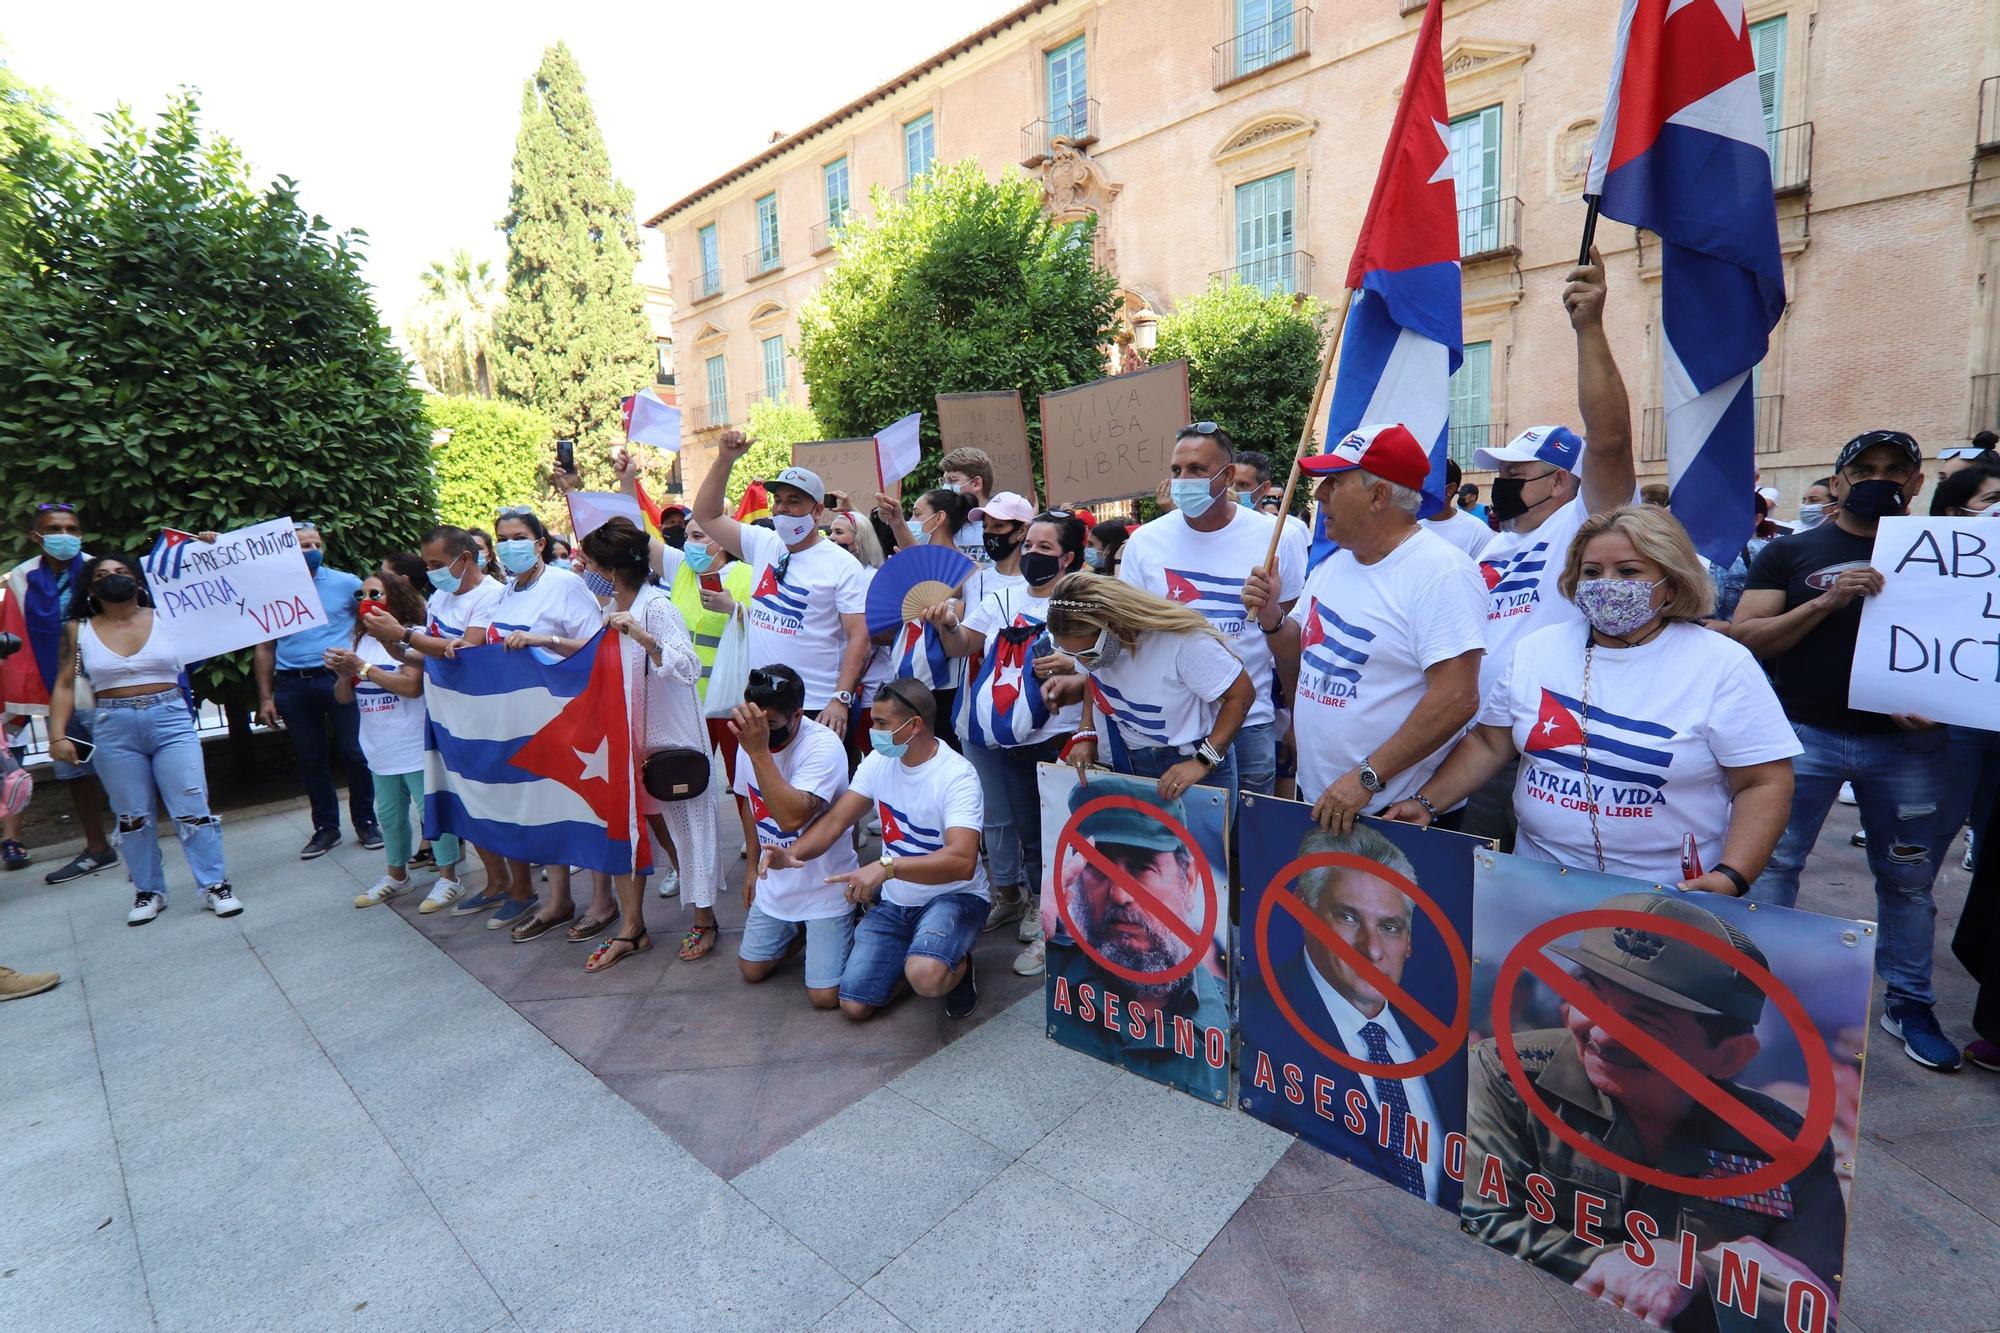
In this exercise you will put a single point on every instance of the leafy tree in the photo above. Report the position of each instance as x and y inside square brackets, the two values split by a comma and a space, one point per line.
[572, 339]
[1253, 360]
[179, 348]
[451, 326]
[776, 427]
[497, 454]
[27, 114]
[967, 285]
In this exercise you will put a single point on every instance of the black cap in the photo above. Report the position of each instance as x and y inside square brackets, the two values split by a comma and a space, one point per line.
[1872, 439]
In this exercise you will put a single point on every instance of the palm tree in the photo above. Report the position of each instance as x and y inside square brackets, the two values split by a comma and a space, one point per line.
[451, 326]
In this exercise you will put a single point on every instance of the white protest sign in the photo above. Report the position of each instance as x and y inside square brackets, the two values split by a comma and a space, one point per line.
[248, 587]
[1930, 640]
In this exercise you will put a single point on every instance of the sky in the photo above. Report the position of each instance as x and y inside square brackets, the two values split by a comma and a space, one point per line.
[399, 119]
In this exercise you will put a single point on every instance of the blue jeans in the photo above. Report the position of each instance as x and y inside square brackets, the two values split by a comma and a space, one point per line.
[147, 751]
[829, 939]
[1255, 751]
[945, 928]
[1154, 761]
[1898, 779]
[1971, 786]
[1014, 809]
[306, 703]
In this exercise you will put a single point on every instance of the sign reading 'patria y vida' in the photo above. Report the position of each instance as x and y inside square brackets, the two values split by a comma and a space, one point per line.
[1930, 640]
[1112, 439]
[248, 587]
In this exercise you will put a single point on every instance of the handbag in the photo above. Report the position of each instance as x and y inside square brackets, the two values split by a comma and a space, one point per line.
[676, 773]
[731, 670]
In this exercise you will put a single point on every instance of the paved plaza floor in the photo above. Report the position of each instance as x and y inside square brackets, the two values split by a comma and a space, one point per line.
[311, 1117]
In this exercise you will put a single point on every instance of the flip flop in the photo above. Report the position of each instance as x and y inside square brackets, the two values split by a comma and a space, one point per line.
[697, 943]
[597, 962]
[590, 927]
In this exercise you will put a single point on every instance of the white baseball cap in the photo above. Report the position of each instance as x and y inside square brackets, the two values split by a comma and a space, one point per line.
[1556, 445]
[800, 479]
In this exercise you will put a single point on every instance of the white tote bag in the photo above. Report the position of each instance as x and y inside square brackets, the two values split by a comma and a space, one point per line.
[731, 671]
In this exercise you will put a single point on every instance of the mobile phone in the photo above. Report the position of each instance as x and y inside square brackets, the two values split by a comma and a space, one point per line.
[566, 455]
[712, 582]
[84, 749]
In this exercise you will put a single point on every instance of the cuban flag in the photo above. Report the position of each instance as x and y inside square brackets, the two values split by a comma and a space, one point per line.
[1005, 676]
[651, 419]
[902, 836]
[1682, 152]
[531, 756]
[1145, 723]
[1404, 336]
[1623, 750]
[920, 655]
[169, 553]
[1333, 649]
[1219, 599]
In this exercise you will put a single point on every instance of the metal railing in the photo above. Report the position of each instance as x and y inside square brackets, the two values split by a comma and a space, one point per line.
[1767, 410]
[1492, 227]
[209, 722]
[1985, 404]
[1791, 157]
[704, 285]
[764, 395]
[1290, 272]
[762, 260]
[1257, 49]
[827, 230]
[1077, 122]
[1989, 116]
[1461, 442]
[705, 416]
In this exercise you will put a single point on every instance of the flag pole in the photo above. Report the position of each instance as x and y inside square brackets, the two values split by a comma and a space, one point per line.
[1589, 230]
[1312, 424]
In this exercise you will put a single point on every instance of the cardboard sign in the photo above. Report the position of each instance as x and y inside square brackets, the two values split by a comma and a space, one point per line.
[1133, 910]
[1586, 987]
[846, 466]
[995, 424]
[1112, 440]
[249, 587]
[1930, 640]
[1340, 931]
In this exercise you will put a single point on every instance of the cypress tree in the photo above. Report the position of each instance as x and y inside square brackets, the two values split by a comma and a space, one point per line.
[573, 338]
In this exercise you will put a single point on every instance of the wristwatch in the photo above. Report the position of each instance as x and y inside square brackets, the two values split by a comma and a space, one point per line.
[889, 864]
[845, 697]
[1209, 756]
[1369, 777]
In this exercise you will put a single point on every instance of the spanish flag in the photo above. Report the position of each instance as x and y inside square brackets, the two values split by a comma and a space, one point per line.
[756, 504]
[647, 507]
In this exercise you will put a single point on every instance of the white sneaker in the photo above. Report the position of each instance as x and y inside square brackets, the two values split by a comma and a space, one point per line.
[670, 880]
[1006, 907]
[385, 889]
[144, 908]
[1031, 920]
[221, 900]
[1847, 796]
[1033, 960]
[442, 895]
[1967, 862]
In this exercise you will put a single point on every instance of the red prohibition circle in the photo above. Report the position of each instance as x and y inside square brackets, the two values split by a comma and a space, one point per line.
[1798, 1151]
[1070, 835]
[1454, 1039]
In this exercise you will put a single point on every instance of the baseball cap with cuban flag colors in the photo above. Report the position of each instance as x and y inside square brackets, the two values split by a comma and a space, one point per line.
[1386, 451]
[1558, 446]
[1007, 507]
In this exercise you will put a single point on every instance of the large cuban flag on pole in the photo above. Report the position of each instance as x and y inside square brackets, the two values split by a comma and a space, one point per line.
[1404, 336]
[531, 756]
[1683, 153]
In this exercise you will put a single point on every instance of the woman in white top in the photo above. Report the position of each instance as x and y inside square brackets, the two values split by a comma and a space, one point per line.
[146, 750]
[664, 709]
[1650, 746]
[390, 693]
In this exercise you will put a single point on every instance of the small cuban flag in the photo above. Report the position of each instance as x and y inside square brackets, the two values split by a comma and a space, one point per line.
[650, 419]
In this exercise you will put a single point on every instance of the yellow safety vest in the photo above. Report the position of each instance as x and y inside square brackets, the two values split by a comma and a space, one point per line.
[705, 626]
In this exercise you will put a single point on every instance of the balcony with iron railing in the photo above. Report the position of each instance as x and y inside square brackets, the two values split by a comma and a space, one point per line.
[762, 260]
[827, 231]
[1985, 404]
[1489, 229]
[1791, 158]
[1289, 272]
[1768, 411]
[1988, 139]
[1076, 122]
[705, 285]
[767, 394]
[705, 416]
[1255, 50]
[1462, 442]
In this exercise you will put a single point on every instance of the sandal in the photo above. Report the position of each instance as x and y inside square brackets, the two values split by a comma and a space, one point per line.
[534, 928]
[600, 962]
[590, 927]
[697, 943]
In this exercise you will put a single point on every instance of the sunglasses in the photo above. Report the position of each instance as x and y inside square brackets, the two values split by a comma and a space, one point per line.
[517, 511]
[1198, 428]
[304, 525]
[55, 507]
[760, 681]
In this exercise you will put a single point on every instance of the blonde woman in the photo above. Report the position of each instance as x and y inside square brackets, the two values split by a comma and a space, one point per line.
[1638, 730]
[1159, 674]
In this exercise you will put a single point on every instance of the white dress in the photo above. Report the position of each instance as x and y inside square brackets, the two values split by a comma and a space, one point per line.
[666, 710]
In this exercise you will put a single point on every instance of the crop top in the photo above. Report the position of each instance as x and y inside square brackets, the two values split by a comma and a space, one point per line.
[156, 662]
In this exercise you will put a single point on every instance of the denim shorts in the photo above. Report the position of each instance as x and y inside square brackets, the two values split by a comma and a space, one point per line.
[828, 939]
[944, 928]
[79, 730]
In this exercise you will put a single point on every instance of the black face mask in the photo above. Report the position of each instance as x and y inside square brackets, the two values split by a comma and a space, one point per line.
[1876, 498]
[780, 737]
[119, 588]
[1000, 547]
[675, 537]
[1507, 501]
[1038, 567]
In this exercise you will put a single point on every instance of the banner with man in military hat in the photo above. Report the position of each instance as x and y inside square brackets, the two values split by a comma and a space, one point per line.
[1663, 1108]
[1135, 909]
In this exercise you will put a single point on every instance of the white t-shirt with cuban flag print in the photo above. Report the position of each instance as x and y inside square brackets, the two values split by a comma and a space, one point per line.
[557, 602]
[796, 602]
[1164, 692]
[917, 806]
[1665, 719]
[1367, 634]
[1204, 571]
[1521, 569]
[451, 614]
[1002, 707]
[815, 763]
[392, 727]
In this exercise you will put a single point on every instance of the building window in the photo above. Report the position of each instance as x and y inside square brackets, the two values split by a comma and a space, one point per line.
[1767, 46]
[711, 260]
[919, 146]
[663, 355]
[834, 174]
[767, 232]
[1264, 216]
[1263, 34]
[1069, 92]
[773, 349]
[717, 369]
[1475, 168]
[1471, 403]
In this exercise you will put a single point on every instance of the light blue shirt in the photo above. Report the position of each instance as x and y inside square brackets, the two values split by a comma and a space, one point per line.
[339, 593]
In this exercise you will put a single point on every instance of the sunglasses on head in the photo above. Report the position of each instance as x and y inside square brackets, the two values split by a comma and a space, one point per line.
[517, 511]
[304, 525]
[55, 507]
[1198, 428]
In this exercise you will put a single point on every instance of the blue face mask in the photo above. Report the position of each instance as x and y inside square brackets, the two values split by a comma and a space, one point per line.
[600, 586]
[517, 555]
[885, 743]
[314, 559]
[62, 547]
[1192, 495]
[1093, 557]
[698, 558]
[559, 564]
[443, 579]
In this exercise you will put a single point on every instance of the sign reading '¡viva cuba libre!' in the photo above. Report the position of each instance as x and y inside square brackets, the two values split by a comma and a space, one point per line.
[247, 587]
[1112, 439]
[1930, 640]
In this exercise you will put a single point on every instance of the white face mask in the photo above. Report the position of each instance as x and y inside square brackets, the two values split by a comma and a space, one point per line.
[792, 528]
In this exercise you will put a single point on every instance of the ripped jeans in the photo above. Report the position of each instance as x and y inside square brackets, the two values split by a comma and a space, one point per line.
[1898, 778]
[147, 752]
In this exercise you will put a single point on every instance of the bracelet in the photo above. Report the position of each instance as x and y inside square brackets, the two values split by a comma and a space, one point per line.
[1735, 877]
[1083, 735]
[1425, 802]
[1273, 631]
